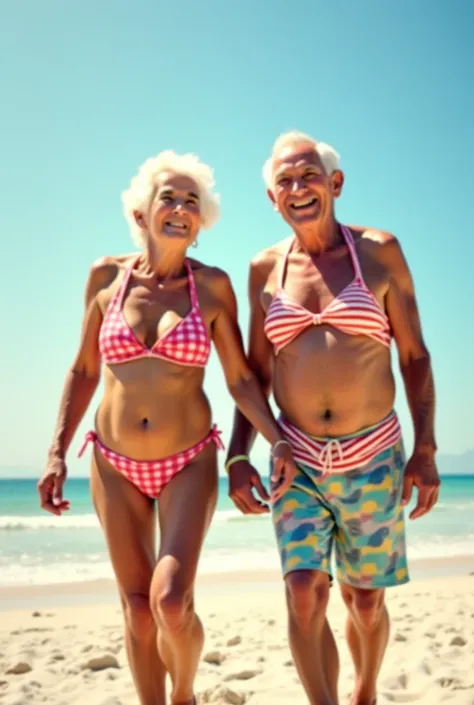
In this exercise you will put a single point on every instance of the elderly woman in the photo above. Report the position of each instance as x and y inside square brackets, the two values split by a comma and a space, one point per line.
[150, 319]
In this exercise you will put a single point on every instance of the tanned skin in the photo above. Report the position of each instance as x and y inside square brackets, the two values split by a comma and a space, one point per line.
[152, 408]
[328, 383]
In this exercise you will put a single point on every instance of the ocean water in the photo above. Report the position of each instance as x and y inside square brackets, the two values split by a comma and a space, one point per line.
[39, 548]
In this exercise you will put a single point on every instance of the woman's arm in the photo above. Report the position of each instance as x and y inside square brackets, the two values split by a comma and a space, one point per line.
[80, 384]
[242, 383]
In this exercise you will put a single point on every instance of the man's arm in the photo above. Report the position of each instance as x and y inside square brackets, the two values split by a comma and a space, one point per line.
[415, 361]
[417, 374]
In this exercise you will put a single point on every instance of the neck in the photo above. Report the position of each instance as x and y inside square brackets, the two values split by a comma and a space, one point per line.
[164, 263]
[319, 237]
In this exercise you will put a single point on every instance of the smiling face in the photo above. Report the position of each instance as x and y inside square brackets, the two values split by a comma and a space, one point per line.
[175, 212]
[303, 192]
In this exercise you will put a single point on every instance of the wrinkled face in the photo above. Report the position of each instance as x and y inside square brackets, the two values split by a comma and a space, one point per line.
[302, 191]
[175, 211]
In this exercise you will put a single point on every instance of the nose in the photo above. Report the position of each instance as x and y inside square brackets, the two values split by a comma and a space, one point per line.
[297, 185]
[178, 206]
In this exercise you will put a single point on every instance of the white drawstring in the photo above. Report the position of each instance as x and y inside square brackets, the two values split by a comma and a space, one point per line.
[325, 456]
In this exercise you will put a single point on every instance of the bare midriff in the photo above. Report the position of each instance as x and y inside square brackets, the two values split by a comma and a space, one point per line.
[152, 408]
[329, 383]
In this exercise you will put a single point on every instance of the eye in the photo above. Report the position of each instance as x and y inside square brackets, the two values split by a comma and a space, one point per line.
[309, 174]
[166, 199]
[284, 181]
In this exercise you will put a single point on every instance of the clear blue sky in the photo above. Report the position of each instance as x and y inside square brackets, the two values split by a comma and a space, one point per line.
[91, 89]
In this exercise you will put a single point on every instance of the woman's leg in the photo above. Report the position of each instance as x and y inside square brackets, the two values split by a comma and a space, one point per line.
[128, 521]
[185, 507]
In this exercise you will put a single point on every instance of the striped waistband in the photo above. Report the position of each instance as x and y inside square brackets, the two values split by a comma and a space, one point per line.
[340, 455]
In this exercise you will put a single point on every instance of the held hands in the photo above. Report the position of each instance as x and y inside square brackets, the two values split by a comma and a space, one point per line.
[421, 472]
[50, 486]
[244, 479]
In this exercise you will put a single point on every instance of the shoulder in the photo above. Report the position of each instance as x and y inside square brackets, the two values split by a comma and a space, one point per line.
[264, 262]
[267, 258]
[208, 274]
[104, 271]
[385, 249]
[382, 245]
[213, 279]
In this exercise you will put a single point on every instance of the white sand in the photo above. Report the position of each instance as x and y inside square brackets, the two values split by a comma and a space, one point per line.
[75, 655]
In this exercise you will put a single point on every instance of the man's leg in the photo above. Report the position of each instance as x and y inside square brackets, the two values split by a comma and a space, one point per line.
[371, 556]
[311, 640]
[367, 632]
[304, 528]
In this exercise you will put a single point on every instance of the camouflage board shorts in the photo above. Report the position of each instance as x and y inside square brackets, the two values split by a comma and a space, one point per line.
[358, 512]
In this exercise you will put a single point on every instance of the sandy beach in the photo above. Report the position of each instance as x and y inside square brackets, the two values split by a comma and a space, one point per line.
[74, 653]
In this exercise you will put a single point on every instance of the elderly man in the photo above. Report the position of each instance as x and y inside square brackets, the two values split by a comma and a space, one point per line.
[325, 305]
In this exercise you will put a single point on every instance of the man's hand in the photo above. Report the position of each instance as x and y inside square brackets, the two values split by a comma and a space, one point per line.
[284, 470]
[243, 479]
[421, 472]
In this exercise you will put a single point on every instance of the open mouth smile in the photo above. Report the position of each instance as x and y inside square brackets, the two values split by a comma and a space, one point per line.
[306, 203]
[176, 225]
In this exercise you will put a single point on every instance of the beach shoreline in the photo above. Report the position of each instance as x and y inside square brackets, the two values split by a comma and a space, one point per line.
[103, 591]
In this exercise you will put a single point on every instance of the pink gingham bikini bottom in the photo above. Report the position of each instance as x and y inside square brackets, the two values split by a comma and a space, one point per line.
[151, 476]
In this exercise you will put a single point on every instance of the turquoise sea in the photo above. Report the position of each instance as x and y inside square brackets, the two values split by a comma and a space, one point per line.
[38, 548]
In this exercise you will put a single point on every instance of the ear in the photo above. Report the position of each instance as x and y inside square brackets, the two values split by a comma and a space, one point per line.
[140, 220]
[272, 199]
[337, 182]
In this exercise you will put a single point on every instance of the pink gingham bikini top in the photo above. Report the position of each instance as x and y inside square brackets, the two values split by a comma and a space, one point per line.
[186, 343]
[354, 311]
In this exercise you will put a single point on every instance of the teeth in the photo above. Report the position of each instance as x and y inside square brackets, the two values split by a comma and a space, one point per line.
[303, 204]
[175, 224]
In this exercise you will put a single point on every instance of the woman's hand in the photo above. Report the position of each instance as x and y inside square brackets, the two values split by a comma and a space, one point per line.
[243, 480]
[50, 486]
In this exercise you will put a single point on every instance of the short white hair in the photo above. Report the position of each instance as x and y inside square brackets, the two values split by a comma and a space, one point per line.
[328, 155]
[139, 196]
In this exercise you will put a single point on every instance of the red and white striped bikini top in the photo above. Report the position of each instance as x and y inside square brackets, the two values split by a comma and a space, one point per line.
[354, 311]
[187, 343]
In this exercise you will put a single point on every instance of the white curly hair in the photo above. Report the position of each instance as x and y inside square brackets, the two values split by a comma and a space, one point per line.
[139, 196]
[329, 157]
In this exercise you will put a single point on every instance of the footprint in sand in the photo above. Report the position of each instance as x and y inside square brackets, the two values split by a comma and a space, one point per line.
[19, 668]
[400, 637]
[233, 698]
[221, 695]
[244, 675]
[214, 657]
[58, 657]
[99, 663]
[234, 641]
[458, 641]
